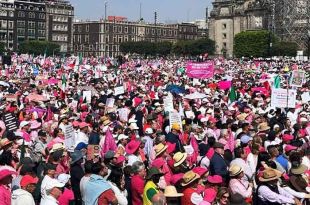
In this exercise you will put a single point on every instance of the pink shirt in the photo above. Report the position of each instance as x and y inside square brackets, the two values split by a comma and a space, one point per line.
[5, 195]
[66, 197]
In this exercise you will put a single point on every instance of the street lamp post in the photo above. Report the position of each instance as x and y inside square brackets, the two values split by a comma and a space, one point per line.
[308, 46]
[105, 10]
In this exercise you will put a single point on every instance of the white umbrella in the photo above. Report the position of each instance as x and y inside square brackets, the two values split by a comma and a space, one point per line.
[4, 84]
[195, 95]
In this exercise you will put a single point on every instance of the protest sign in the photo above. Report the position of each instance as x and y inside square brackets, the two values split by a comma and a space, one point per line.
[91, 88]
[305, 97]
[168, 104]
[282, 98]
[200, 70]
[119, 90]
[175, 117]
[92, 151]
[297, 78]
[10, 97]
[123, 114]
[87, 96]
[110, 102]
[10, 121]
[69, 137]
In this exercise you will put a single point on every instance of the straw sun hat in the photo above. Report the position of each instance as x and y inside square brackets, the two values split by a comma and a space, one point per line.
[179, 158]
[160, 148]
[269, 175]
[170, 191]
[235, 170]
[189, 177]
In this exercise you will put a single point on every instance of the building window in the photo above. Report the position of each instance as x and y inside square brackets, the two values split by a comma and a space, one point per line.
[31, 24]
[164, 32]
[86, 38]
[107, 27]
[11, 24]
[3, 24]
[147, 31]
[126, 29]
[224, 35]
[120, 29]
[31, 15]
[41, 25]
[120, 39]
[224, 25]
[20, 31]
[87, 28]
[114, 29]
[224, 45]
[21, 14]
[125, 38]
[41, 16]
[153, 31]
[170, 33]
[3, 13]
[79, 28]
[21, 24]
[11, 14]
[41, 33]
[31, 32]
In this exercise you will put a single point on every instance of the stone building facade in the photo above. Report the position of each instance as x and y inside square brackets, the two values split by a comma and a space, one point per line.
[103, 37]
[230, 17]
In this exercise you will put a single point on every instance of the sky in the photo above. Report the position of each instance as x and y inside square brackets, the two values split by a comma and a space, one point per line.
[167, 10]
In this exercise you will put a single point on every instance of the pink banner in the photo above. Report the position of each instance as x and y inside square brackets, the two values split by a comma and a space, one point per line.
[200, 70]
[224, 85]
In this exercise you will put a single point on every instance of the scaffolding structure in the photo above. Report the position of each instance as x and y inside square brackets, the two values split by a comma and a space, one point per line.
[289, 20]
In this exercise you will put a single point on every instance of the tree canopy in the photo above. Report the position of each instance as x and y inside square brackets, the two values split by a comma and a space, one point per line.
[39, 47]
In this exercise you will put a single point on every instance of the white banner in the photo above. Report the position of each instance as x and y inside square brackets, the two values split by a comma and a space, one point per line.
[168, 104]
[282, 98]
[87, 96]
[69, 138]
[175, 117]
[119, 90]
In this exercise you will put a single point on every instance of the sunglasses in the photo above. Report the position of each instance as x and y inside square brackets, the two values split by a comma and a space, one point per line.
[225, 196]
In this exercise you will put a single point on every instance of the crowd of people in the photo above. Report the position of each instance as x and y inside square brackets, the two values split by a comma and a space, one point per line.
[88, 131]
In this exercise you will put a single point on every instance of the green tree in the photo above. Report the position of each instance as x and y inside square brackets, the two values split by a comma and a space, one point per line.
[2, 48]
[253, 43]
[163, 48]
[285, 49]
[194, 47]
[39, 47]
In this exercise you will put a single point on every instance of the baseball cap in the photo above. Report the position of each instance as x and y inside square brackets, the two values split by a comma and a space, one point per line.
[28, 179]
[63, 178]
[54, 183]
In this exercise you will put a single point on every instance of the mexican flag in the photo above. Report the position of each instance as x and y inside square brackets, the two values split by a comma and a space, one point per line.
[232, 94]
[277, 82]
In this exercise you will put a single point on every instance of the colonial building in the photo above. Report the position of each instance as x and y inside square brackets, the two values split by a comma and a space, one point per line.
[22, 20]
[230, 17]
[103, 37]
[59, 18]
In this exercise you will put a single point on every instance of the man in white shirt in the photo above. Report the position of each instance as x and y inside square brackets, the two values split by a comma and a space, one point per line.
[240, 160]
[82, 135]
[49, 175]
[53, 191]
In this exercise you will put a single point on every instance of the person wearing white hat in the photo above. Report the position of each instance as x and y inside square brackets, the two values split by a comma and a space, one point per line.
[149, 141]
[67, 195]
[122, 141]
[53, 190]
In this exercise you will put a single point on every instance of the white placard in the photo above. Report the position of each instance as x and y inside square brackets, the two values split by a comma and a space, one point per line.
[168, 104]
[305, 97]
[119, 90]
[110, 102]
[175, 117]
[69, 137]
[87, 96]
[123, 114]
[280, 99]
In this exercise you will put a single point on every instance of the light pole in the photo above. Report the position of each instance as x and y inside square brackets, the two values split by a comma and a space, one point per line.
[105, 10]
[308, 46]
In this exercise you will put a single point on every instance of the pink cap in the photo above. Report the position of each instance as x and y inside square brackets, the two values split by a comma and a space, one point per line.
[5, 173]
[287, 137]
[83, 124]
[200, 170]
[289, 148]
[215, 179]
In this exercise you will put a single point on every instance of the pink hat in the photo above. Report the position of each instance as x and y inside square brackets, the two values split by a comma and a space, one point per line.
[171, 147]
[212, 119]
[215, 179]
[5, 173]
[132, 146]
[158, 163]
[35, 125]
[200, 171]
[176, 178]
[210, 195]
[287, 137]
[120, 159]
[83, 124]
[28, 179]
[289, 148]
[75, 123]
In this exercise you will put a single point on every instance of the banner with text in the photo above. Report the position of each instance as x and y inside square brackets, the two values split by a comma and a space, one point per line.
[283, 98]
[200, 70]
